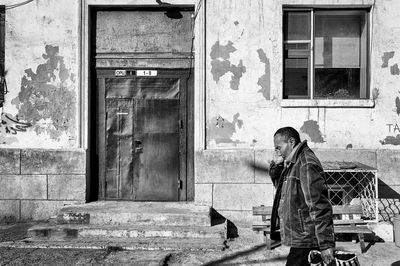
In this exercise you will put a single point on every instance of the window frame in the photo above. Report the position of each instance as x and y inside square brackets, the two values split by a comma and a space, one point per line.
[310, 100]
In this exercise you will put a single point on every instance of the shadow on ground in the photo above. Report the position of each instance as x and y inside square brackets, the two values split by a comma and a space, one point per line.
[240, 254]
[14, 232]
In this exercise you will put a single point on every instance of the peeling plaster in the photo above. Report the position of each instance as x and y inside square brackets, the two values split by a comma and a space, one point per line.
[221, 66]
[385, 58]
[221, 131]
[47, 99]
[222, 51]
[311, 128]
[264, 81]
[375, 94]
[349, 146]
[237, 72]
[237, 121]
[391, 140]
[394, 70]
[397, 102]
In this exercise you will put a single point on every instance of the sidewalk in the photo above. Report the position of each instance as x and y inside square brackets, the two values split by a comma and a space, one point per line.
[241, 252]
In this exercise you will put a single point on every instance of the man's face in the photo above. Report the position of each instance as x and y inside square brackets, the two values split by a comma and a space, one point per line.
[283, 146]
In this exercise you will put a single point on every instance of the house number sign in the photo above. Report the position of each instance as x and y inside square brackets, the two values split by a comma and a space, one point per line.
[146, 73]
[139, 73]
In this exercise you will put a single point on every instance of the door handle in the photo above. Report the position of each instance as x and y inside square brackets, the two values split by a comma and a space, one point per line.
[138, 146]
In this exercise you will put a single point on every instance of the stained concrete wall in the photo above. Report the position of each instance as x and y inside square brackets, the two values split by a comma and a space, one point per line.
[42, 167]
[35, 183]
[41, 62]
[244, 81]
[244, 105]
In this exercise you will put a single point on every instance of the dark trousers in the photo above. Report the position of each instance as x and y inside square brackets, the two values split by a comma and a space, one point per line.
[298, 256]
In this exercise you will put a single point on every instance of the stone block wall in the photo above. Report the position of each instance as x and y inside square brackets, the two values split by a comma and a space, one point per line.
[224, 179]
[35, 183]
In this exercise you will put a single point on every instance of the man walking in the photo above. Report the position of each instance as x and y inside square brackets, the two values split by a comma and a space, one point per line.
[301, 206]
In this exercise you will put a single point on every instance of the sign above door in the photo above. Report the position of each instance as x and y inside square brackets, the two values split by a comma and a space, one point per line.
[138, 73]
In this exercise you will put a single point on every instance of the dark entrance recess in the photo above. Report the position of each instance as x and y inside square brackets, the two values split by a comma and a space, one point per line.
[141, 105]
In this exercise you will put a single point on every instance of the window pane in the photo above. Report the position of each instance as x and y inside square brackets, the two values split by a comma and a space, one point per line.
[297, 25]
[296, 78]
[340, 54]
[338, 83]
[337, 39]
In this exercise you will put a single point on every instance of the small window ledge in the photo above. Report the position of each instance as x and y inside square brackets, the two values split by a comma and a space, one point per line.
[328, 103]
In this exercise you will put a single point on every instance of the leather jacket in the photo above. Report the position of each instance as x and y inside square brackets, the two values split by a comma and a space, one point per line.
[301, 202]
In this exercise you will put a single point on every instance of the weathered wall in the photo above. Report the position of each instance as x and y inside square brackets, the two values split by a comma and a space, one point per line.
[35, 183]
[244, 105]
[41, 62]
[41, 111]
[244, 82]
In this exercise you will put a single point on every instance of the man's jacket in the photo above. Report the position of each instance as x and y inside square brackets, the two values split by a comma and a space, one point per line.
[301, 202]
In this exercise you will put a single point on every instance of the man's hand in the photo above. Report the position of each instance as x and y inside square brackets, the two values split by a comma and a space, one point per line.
[327, 256]
[277, 159]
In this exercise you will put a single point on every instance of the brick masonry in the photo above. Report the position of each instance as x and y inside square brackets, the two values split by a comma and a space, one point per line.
[35, 183]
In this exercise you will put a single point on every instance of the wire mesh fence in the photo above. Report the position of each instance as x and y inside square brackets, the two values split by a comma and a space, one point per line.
[388, 208]
[353, 184]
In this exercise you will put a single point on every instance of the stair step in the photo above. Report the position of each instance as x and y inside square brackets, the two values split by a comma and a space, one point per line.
[159, 243]
[66, 231]
[141, 213]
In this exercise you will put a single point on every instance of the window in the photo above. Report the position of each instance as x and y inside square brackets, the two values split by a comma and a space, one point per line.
[325, 53]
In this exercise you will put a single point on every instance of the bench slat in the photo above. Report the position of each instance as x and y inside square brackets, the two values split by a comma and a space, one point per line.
[260, 223]
[347, 209]
[262, 210]
[352, 229]
[262, 228]
[337, 209]
[353, 221]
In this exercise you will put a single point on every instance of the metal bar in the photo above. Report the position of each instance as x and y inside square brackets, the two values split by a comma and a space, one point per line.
[311, 69]
[297, 41]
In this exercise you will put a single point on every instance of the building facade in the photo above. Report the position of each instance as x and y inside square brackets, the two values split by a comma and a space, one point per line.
[145, 100]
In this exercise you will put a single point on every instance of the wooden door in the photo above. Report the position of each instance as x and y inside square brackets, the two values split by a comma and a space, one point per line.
[143, 137]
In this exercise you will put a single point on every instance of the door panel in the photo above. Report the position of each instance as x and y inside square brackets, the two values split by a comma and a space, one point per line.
[119, 152]
[161, 88]
[143, 138]
[157, 128]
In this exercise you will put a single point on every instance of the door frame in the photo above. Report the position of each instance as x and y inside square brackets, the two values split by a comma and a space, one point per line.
[199, 67]
[185, 114]
[87, 79]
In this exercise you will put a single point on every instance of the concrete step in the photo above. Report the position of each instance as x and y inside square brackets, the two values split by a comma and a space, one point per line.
[119, 244]
[68, 231]
[139, 213]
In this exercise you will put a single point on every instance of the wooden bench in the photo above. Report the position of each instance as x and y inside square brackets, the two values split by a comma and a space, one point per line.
[346, 220]
[263, 226]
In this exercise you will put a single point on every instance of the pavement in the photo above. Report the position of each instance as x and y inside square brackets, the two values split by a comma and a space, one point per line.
[242, 251]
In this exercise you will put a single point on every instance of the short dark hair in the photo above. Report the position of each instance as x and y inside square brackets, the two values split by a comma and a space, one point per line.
[288, 132]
